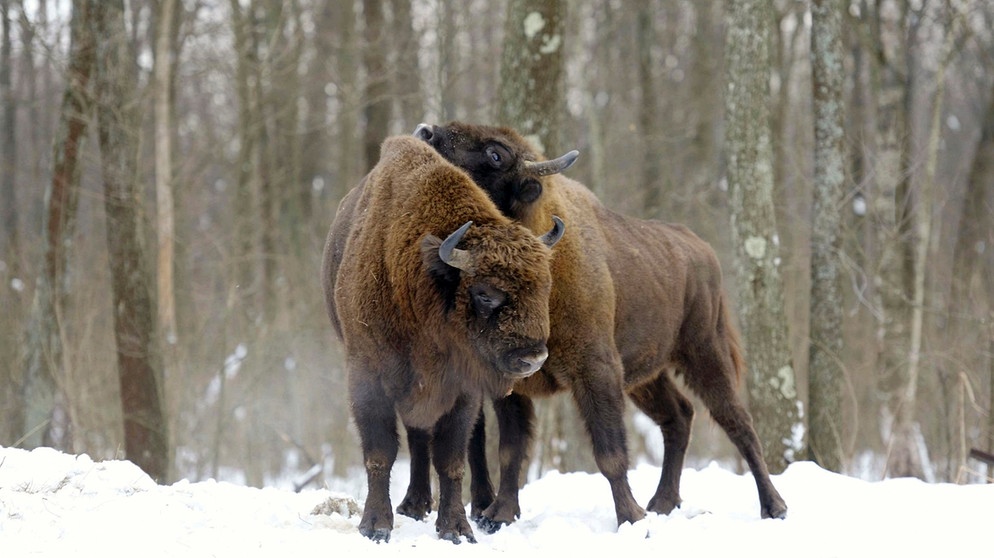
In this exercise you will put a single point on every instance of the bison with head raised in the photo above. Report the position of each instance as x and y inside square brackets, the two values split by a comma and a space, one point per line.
[431, 326]
[632, 301]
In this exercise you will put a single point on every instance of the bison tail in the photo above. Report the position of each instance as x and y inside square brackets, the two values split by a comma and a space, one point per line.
[734, 342]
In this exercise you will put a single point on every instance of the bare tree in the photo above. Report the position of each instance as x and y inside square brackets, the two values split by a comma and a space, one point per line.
[973, 268]
[825, 350]
[377, 87]
[47, 418]
[165, 60]
[407, 75]
[8, 149]
[651, 158]
[772, 389]
[894, 224]
[138, 358]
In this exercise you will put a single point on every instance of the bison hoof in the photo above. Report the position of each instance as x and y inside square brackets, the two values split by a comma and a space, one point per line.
[775, 510]
[376, 535]
[454, 528]
[415, 507]
[489, 526]
[455, 538]
[663, 506]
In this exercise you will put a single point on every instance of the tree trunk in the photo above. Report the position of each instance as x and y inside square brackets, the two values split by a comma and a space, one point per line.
[10, 255]
[772, 391]
[162, 86]
[825, 372]
[10, 250]
[972, 295]
[649, 142]
[377, 108]
[532, 97]
[407, 75]
[138, 358]
[44, 359]
[350, 164]
[894, 222]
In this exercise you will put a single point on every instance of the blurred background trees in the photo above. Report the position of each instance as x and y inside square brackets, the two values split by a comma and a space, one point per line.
[249, 119]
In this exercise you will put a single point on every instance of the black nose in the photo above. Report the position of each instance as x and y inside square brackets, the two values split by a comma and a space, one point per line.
[524, 362]
[424, 131]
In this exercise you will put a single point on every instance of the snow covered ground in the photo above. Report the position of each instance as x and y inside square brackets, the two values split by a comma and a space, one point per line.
[53, 504]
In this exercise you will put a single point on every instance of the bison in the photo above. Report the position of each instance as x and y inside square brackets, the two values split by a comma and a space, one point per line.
[633, 302]
[431, 326]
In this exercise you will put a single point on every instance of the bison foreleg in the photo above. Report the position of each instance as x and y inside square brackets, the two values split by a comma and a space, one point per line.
[448, 448]
[417, 501]
[377, 425]
[515, 417]
[481, 489]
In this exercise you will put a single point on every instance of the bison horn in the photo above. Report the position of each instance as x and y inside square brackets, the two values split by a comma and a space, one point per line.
[552, 237]
[555, 166]
[448, 253]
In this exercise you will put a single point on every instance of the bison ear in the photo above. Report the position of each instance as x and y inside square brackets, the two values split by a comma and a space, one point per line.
[528, 191]
[445, 276]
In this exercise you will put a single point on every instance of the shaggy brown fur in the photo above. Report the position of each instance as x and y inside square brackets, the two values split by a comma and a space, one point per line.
[632, 301]
[425, 340]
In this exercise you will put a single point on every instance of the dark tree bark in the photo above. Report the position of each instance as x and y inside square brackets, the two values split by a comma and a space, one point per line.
[377, 91]
[651, 159]
[10, 254]
[138, 357]
[351, 166]
[531, 96]
[47, 418]
[772, 389]
[407, 75]
[825, 351]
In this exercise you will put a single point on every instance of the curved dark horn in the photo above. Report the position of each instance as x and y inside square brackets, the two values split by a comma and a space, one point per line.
[555, 166]
[552, 237]
[448, 253]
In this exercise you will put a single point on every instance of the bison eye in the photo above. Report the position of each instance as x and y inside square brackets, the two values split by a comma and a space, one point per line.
[497, 155]
[486, 299]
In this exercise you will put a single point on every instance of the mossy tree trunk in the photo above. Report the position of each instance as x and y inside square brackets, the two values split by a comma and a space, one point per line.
[771, 384]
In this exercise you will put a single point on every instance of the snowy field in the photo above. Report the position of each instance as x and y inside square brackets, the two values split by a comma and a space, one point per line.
[53, 504]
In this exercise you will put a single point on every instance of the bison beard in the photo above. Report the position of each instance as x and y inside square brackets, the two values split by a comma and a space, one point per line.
[631, 301]
[431, 326]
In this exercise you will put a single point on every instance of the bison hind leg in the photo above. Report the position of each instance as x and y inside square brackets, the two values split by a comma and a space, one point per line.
[710, 371]
[661, 401]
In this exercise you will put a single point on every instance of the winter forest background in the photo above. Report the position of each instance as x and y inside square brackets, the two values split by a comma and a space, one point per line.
[169, 170]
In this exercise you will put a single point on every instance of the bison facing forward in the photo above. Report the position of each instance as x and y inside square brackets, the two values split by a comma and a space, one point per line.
[431, 326]
[632, 300]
